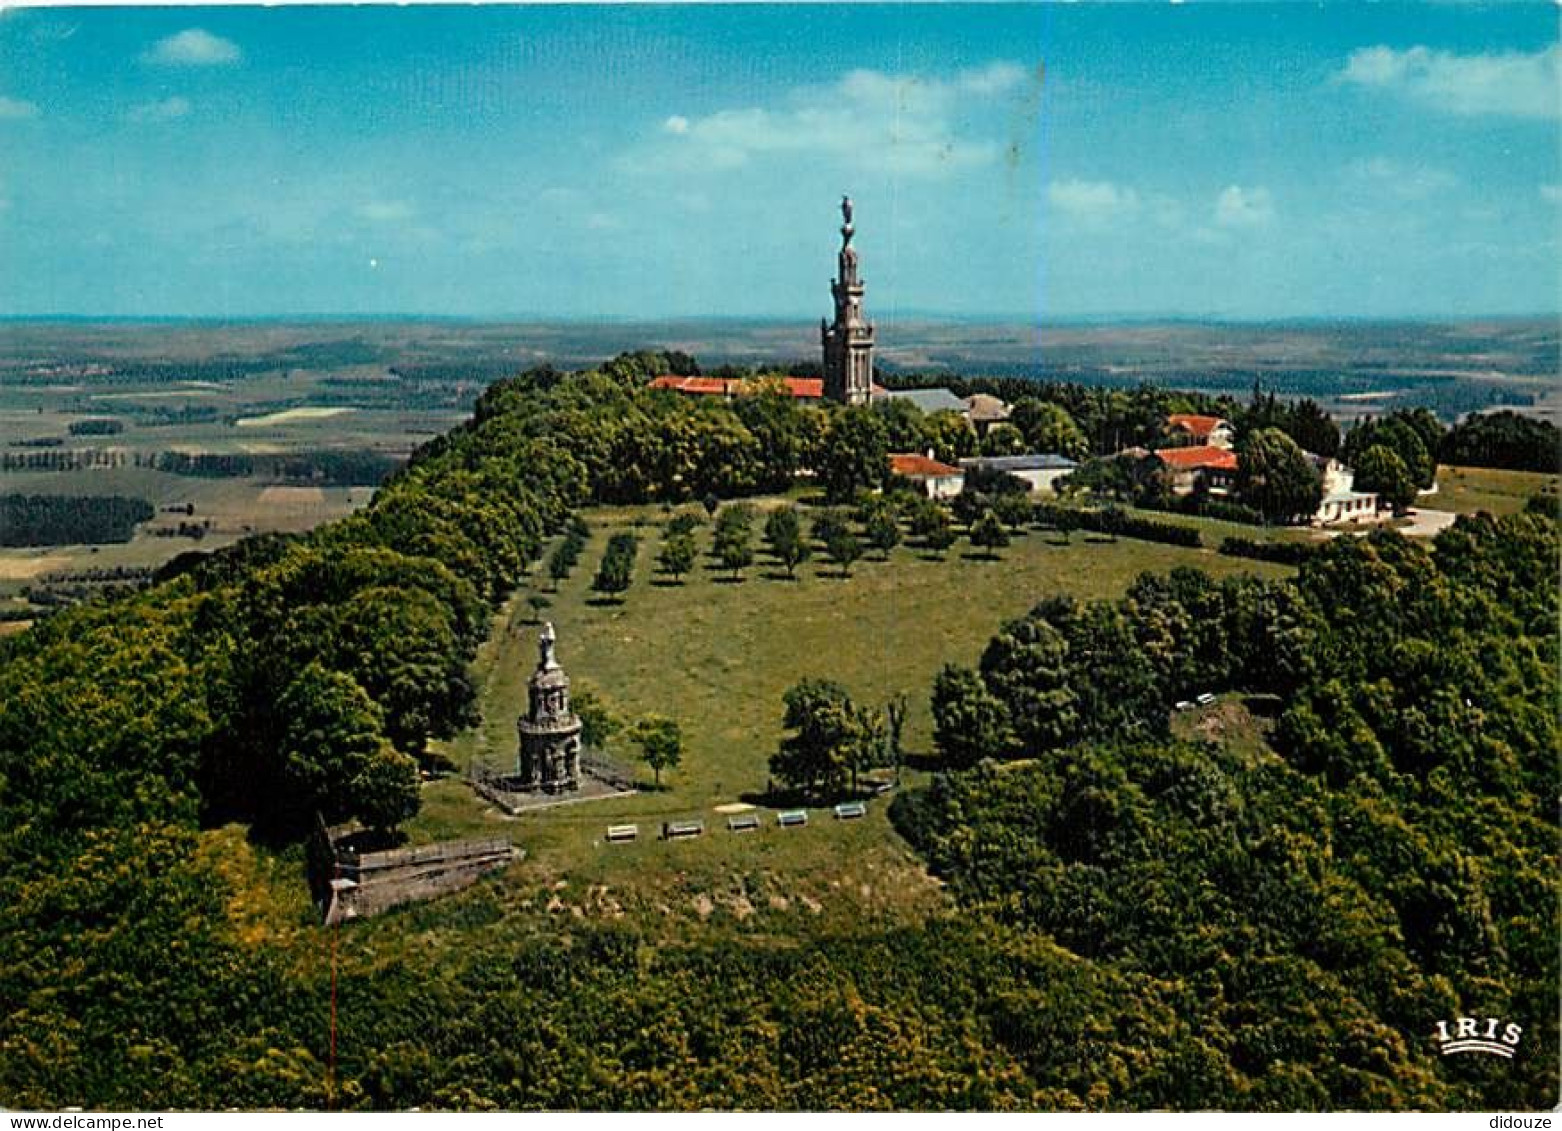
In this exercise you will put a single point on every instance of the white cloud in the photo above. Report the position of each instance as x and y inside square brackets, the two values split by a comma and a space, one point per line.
[907, 124]
[1238, 207]
[386, 211]
[1552, 194]
[166, 110]
[1385, 176]
[194, 47]
[1513, 83]
[1093, 202]
[995, 78]
[16, 108]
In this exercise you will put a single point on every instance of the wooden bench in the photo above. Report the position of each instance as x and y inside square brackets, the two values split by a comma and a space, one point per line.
[679, 830]
[743, 823]
[792, 818]
[617, 834]
[850, 811]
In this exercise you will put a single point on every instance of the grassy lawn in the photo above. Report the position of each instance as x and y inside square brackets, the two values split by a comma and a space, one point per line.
[1465, 490]
[717, 655]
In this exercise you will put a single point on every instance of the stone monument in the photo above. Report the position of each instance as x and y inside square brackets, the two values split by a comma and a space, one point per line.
[848, 344]
[550, 732]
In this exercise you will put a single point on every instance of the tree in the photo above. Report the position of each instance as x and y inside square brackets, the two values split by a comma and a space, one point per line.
[902, 424]
[1405, 433]
[1504, 439]
[677, 556]
[562, 561]
[989, 533]
[844, 549]
[968, 721]
[855, 456]
[597, 722]
[1380, 469]
[950, 435]
[400, 646]
[824, 738]
[1048, 427]
[784, 533]
[870, 743]
[931, 524]
[334, 757]
[618, 563]
[734, 546]
[1275, 477]
[538, 602]
[1014, 511]
[780, 424]
[661, 743]
[895, 722]
[1313, 429]
[1003, 440]
[882, 529]
[828, 523]
[684, 522]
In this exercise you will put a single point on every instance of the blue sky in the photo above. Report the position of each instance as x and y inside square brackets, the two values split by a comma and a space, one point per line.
[1045, 162]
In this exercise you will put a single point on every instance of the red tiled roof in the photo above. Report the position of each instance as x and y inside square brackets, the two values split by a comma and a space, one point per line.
[801, 388]
[1218, 459]
[709, 386]
[1200, 426]
[806, 388]
[915, 466]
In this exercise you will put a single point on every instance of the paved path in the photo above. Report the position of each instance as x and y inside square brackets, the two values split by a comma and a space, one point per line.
[1425, 523]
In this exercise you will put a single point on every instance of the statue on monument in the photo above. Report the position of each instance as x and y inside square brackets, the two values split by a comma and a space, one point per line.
[545, 642]
[549, 758]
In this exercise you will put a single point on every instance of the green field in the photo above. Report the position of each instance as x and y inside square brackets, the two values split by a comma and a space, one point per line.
[717, 656]
[1465, 490]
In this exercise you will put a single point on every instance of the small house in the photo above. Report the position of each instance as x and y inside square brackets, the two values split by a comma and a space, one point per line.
[934, 479]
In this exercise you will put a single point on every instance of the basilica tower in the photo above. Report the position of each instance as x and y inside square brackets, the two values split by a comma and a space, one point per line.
[848, 344]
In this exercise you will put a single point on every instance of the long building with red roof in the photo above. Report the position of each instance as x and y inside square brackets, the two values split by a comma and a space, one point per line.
[799, 388]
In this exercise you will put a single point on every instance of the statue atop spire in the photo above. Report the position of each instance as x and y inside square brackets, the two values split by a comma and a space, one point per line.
[848, 343]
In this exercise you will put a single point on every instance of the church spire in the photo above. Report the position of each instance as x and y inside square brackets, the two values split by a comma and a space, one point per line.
[848, 343]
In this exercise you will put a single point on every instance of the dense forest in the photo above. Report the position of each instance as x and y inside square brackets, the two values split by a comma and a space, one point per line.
[1504, 439]
[69, 520]
[1393, 862]
[1140, 922]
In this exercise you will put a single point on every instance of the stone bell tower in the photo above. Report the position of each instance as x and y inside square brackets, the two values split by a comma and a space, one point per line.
[848, 344]
[550, 732]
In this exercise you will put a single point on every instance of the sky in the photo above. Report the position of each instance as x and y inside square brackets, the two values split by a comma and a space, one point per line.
[1036, 162]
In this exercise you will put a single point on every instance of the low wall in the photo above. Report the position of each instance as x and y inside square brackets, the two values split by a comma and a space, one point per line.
[368, 883]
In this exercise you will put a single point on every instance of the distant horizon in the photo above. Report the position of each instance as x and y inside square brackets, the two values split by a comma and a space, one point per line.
[904, 317]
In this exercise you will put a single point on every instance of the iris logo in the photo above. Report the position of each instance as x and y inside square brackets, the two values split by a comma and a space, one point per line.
[1471, 1034]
